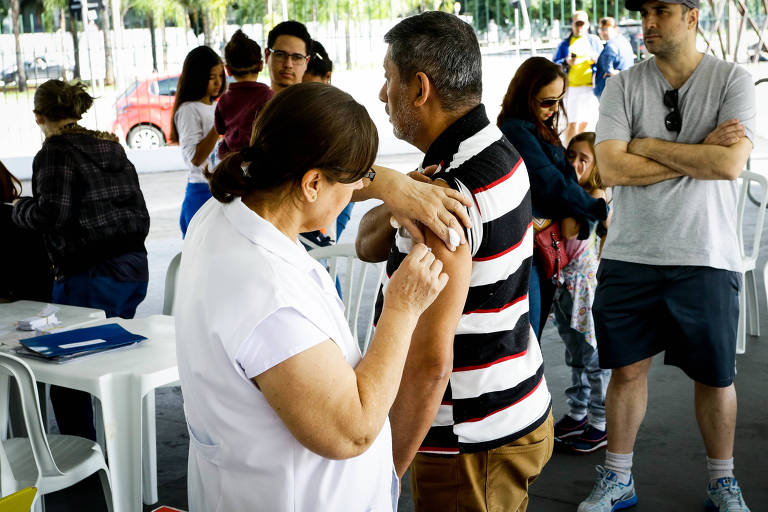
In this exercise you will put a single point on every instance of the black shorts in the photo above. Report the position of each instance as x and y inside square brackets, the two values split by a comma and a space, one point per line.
[691, 313]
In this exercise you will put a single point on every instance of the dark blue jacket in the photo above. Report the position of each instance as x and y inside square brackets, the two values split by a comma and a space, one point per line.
[617, 55]
[555, 190]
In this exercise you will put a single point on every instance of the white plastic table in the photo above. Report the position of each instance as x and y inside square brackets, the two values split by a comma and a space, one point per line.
[120, 380]
[69, 316]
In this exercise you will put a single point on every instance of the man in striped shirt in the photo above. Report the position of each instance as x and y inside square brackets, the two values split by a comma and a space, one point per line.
[473, 414]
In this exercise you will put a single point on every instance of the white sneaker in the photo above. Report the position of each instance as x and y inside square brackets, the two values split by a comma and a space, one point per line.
[608, 495]
[724, 495]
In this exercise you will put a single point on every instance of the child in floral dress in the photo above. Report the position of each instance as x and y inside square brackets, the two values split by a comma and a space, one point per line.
[582, 430]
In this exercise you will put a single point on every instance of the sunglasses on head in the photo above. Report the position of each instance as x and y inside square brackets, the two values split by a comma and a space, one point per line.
[674, 121]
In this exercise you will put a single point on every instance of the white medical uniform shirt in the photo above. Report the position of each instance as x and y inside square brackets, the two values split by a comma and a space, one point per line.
[237, 270]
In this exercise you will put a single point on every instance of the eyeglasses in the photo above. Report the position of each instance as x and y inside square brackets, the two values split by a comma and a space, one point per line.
[370, 174]
[549, 102]
[673, 121]
[579, 23]
[296, 58]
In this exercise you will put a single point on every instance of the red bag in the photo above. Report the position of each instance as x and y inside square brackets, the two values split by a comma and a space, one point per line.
[549, 251]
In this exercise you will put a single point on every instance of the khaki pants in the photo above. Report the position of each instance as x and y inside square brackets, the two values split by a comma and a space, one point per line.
[494, 480]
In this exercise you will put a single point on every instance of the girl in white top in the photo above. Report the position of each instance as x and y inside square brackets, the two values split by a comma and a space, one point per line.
[200, 83]
[284, 413]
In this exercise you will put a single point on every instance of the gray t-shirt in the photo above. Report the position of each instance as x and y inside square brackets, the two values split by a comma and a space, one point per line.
[683, 221]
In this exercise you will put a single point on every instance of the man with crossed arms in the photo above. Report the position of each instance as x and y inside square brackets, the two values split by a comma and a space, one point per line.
[674, 134]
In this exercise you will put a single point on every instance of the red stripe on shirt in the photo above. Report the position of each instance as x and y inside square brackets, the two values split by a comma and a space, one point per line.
[502, 308]
[506, 407]
[488, 365]
[505, 251]
[500, 180]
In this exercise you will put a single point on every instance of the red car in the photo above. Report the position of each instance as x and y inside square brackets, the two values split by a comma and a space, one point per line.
[144, 112]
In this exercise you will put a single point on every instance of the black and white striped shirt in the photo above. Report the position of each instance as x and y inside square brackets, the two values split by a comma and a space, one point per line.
[497, 391]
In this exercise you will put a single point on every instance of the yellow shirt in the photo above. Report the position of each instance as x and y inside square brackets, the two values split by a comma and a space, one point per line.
[580, 74]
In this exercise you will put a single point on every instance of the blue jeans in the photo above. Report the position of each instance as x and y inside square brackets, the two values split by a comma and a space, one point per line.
[72, 408]
[195, 196]
[540, 294]
[589, 382]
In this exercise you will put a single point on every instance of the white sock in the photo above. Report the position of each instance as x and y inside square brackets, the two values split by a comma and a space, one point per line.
[719, 468]
[599, 425]
[621, 464]
[577, 417]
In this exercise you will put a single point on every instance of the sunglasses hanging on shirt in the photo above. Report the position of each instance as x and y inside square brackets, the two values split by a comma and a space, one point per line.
[673, 121]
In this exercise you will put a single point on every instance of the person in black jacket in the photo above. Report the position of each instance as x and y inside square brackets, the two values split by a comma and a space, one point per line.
[529, 118]
[89, 208]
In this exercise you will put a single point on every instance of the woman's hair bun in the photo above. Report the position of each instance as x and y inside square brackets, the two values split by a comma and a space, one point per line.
[57, 100]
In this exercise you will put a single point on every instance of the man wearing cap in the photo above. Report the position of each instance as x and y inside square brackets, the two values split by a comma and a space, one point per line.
[577, 54]
[673, 136]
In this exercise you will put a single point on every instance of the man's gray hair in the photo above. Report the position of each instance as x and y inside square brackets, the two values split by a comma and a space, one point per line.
[443, 47]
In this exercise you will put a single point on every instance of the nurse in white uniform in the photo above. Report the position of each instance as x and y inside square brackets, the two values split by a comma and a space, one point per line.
[283, 413]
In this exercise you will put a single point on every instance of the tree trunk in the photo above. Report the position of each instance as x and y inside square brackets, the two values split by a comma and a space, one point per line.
[207, 28]
[348, 41]
[153, 42]
[21, 72]
[163, 41]
[109, 71]
[75, 44]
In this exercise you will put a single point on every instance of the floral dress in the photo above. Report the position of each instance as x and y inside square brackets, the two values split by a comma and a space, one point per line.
[579, 276]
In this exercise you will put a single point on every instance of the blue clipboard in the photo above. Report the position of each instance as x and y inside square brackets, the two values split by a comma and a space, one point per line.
[66, 345]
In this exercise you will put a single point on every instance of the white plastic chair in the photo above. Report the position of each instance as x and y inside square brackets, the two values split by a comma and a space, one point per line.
[149, 433]
[48, 462]
[353, 280]
[170, 284]
[749, 311]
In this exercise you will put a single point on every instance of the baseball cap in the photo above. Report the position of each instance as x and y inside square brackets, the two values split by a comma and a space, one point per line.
[635, 5]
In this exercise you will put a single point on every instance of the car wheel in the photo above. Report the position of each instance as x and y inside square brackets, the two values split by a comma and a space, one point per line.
[145, 136]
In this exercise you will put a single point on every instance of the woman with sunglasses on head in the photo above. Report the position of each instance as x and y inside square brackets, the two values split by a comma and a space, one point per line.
[284, 413]
[529, 118]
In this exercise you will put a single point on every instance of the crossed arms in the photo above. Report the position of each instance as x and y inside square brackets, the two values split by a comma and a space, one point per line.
[720, 156]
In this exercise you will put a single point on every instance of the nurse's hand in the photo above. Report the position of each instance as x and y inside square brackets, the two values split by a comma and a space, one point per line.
[416, 283]
[442, 210]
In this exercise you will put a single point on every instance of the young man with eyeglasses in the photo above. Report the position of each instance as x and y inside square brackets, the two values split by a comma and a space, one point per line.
[287, 54]
[674, 133]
